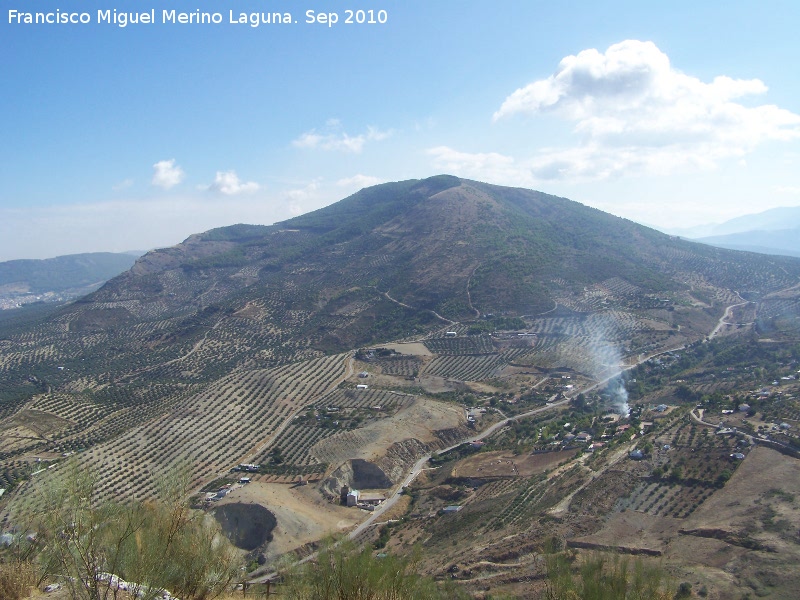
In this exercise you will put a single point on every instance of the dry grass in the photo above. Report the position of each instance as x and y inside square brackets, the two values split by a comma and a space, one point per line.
[16, 580]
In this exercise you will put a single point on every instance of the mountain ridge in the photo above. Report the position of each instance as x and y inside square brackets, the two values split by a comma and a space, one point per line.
[502, 241]
[784, 242]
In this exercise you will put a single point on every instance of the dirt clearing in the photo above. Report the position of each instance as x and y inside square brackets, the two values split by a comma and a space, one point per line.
[302, 515]
[411, 348]
[418, 421]
[506, 464]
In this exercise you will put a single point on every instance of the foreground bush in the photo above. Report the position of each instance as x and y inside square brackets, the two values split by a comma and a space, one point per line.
[604, 577]
[89, 545]
[16, 580]
[342, 572]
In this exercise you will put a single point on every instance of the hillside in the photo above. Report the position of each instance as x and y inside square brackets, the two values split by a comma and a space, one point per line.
[457, 304]
[60, 278]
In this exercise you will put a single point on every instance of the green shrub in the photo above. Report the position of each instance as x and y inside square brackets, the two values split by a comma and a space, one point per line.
[343, 571]
[602, 577]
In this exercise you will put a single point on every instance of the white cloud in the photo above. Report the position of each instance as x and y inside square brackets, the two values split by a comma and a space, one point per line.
[334, 138]
[167, 174]
[638, 114]
[304, 199]
[228, 183]
[358, 181]
[488, 166]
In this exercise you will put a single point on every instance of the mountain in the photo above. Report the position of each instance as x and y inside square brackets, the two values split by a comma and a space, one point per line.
[426, 244]
[775, 241]
[343, 346]
[59, 278]
[774, 219]
[773, 231]
[391, 261]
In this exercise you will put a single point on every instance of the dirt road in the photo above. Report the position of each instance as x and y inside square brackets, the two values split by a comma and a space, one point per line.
[723, 319]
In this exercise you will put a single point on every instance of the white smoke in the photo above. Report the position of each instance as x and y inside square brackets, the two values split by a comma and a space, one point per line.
[619, 396]
[607, 362]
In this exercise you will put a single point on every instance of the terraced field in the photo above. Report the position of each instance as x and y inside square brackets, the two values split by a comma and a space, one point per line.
[474, 368]
[230, 422]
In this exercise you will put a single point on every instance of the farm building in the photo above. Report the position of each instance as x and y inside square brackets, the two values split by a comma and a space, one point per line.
[362, 386]
[371, 498]
[637, 454]
[661, 408]
[450, 334]
[451, 509]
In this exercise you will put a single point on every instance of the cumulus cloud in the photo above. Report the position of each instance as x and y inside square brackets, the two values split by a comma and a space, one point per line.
[637, 113]
[300, 200]
[167, 174]
[228, 183]
[333, 137]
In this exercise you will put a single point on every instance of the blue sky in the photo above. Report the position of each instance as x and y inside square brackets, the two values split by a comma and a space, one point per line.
[113, 139]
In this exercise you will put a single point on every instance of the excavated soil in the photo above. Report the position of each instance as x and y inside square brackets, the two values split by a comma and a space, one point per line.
[247, 526]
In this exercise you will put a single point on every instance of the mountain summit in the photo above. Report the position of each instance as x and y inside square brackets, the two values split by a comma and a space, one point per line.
[439, 246]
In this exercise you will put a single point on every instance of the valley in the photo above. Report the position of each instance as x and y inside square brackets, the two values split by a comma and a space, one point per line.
[515, 373]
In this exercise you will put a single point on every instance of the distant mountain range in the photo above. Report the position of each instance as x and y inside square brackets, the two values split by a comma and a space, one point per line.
[774, 231]
[60, 278]
[781, 241]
